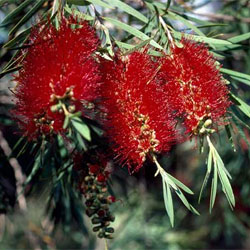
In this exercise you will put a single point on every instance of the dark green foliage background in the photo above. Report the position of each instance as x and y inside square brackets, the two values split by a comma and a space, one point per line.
[141, 219]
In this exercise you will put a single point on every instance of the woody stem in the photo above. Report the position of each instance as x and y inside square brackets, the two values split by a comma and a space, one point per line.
[159, 167]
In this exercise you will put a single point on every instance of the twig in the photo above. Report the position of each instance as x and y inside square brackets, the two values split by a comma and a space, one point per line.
[164, 25]
[17, 171]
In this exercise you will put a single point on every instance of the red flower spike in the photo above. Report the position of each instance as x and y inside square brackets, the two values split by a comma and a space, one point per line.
[58, 65]
[139, 120]
[194, 86]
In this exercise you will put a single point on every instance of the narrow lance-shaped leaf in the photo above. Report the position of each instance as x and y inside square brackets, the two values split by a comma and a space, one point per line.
[29, 14]
[186, 22]
[128, 9]
[81, 127]
[137, 47]
[100, 3]
[20, 38]
[168, 201]
[10, 17]
[180, 184]
[169, 182]
[245, 108]
[219, 169]
[132, 31]
[209, 168]
[226, 186]
[240, 38]
[208, 40]
[214, 187]
[241, 77]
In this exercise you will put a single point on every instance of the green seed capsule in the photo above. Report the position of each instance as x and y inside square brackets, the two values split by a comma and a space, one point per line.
[202, 130]
[108, 236]
[207, 123]
[96, 229]
[109, 230]
[101, 235]
[96, 220]
[112, 218]
[90, 212]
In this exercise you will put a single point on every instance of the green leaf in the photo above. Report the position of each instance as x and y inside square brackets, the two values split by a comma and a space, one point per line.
[97, 130]
[2, 2]
[168, 201]
[226, 186]
[198, 20]
[237, 75]
[128, 9]
[218, 56]
[168, 4]
[78, 13]
[81, 142]
[211, 25]
[21, 139]
[82, 128]
[160, 5]
[138, 46]
[183, 199]
[221, 164]
[239, 122]
[28, 15]
[101, 3]
[220, 169]
[9, 70]
[124, 45]
[78, 2]
[108, 40]
[9, 18]
[35, 168]
[18, 39]
[193, 210]
[209, 40]
[132, 31]
[229, 47]
[245, 108]
[13, 64]
[62, 149]
[180, 184]
[213, 188]
[66, 122]
[209, 167]
[229, 136]
[175, 16]
[247, 82]
[240, 38]
[170, 182]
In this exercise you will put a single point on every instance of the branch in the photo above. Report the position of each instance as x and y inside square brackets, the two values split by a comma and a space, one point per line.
[17, 171]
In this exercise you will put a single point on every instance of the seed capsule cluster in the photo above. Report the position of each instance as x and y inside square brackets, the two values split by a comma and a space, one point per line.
[94, 188]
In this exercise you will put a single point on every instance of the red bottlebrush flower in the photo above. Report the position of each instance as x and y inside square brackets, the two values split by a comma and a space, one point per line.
[138, 117]
[58, 66]
[194, 86]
